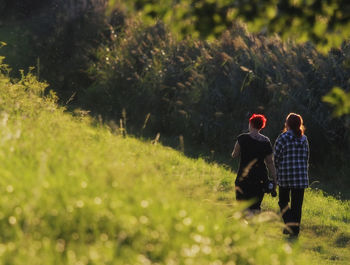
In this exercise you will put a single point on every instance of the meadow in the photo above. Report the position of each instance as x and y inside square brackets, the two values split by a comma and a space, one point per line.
[75, 191]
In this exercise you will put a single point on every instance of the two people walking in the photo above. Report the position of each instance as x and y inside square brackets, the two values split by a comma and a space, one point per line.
[285, 166]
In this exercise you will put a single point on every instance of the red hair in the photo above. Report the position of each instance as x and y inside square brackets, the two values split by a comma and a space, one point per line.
[258, 121]
[295, 123]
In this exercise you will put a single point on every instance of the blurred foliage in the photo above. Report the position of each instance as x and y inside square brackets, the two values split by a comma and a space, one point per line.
[61, 35]
[340, 100]
[326, 23]
[20, 8]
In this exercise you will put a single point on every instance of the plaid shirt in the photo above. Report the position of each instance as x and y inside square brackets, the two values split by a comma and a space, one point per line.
[291, 155]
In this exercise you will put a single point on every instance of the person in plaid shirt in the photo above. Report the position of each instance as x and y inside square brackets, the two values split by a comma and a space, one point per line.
[291, 156]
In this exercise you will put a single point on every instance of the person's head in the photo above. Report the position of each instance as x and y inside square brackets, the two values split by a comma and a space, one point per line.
[295, 123]
[257, 121]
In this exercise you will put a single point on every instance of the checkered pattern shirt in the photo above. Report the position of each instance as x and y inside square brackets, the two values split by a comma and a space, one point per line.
[291, 155]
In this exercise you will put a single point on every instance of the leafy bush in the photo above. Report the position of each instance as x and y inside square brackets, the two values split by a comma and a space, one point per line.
[206, 91]
[61, 37]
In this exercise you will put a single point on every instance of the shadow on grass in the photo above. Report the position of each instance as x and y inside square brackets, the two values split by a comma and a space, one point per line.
[343, 240]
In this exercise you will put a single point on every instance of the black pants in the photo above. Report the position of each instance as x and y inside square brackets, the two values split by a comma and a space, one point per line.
[291, 214]
[250, 192]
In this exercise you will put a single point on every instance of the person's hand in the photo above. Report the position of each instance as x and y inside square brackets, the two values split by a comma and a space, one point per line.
[274, 189]
[274, 193]
[274, 184]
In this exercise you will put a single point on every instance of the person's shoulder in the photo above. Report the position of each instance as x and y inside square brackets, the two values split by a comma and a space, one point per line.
[286, 134]
[282, 137]
[242, 135]
[264, 138]
[242, 138]
[304, 137]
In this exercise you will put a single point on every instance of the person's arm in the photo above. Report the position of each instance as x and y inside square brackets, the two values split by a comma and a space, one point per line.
[277, 152]
[308, 151]
[236, 150]
[271, 167]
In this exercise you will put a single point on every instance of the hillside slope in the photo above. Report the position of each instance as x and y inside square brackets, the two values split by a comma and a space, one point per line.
[76, 192]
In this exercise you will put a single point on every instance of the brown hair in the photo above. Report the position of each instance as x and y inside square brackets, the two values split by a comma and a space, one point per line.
[295, 123]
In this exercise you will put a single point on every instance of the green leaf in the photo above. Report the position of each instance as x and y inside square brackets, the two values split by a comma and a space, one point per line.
[340, 100]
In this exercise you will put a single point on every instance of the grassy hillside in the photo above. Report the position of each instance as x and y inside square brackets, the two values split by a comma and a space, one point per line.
[77, 192]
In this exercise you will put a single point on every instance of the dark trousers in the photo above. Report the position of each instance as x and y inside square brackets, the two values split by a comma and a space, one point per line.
[291, 214]
[253, 193]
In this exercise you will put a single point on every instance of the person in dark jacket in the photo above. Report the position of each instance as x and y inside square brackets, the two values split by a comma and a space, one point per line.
[291, 156]
[255, 153]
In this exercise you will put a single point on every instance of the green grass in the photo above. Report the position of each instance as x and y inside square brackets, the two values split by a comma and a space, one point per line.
[75, 192]
[325, 230]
